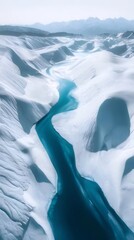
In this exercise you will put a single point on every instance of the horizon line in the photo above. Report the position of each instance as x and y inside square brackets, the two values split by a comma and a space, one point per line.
[66, 21]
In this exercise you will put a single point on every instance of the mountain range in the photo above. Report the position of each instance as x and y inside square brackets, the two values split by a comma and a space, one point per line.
[90, 26]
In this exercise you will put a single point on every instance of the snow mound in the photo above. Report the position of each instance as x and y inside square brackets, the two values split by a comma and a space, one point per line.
[67, 51]
[119, 50]
[112, 125]
[57, 55]
[89, 46]
[77, 44]
[38, 43]
[24, 68]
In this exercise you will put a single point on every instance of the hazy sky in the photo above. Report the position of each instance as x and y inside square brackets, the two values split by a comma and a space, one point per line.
[45, 11]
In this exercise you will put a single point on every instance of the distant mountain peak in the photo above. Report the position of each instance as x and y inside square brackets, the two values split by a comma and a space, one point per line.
[90, 26]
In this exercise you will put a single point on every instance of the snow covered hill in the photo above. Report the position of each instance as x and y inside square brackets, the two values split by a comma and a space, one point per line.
[102, 68]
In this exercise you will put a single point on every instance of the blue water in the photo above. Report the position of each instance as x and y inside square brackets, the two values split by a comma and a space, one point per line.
[79, 210]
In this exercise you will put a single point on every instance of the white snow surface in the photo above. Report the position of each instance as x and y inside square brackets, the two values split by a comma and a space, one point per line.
[100, 76]
[27, 92]
[24, 100]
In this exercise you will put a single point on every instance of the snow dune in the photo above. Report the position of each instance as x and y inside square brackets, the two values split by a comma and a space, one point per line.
[112, 125]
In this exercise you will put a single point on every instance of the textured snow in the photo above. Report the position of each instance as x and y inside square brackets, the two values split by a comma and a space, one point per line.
[101, 76]
[29, 69]
[26, 95]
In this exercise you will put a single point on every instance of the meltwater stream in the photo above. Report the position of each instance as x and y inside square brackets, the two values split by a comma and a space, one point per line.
[79, 210]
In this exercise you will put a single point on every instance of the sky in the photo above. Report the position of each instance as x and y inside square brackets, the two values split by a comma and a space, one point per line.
[46, 11]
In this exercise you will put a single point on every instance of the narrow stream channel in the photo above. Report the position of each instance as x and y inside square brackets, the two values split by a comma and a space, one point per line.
[79, 210]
